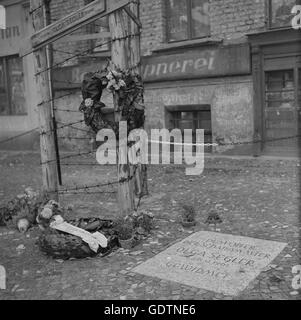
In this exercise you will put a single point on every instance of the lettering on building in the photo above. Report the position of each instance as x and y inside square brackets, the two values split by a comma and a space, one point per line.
[203, 62]
[197, 63]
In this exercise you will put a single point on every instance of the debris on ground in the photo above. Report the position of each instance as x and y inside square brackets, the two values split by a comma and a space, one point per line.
[21, 212]
[79, 238]
[86, 237]
[66, 239]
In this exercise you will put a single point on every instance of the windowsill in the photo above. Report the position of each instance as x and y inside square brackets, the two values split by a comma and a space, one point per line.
[187, 44]
[269, 30]
[190, 107]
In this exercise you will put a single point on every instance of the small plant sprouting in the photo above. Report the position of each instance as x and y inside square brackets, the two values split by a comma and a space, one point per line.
[125, 231]
[189, 213]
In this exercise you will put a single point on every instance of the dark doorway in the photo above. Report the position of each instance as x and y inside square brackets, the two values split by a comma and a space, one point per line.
[282, 112]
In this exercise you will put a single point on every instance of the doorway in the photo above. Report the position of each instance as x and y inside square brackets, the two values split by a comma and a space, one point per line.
[282, 111]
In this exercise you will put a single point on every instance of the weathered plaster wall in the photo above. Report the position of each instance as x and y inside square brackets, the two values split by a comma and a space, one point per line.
[231, 101]
[14, 125]
[232, 115]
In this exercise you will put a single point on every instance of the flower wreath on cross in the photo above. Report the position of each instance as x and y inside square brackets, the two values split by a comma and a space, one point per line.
[128, 88]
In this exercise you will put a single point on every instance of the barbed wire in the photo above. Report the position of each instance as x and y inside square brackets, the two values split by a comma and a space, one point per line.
[67, 110]
[36, 9]
[67, 82]
[75, 128]
[99, 185]
[87, 192]
[57, 108]
[80, 164]
[128, 36]
[18, 136]
[75, 138]
[217, 144]
[56, 98]
[61, 127]
[79, 154]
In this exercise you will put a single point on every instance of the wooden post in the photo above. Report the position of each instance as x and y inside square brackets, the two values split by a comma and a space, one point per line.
[141, 186]
[117, 22]
[48, 153]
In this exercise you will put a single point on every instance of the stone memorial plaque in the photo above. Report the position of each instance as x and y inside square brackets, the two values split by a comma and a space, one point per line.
[213, 261]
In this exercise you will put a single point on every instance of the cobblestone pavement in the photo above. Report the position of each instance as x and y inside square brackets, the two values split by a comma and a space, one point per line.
[258, 198]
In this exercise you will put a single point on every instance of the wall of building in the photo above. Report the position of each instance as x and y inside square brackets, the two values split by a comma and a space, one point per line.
[230, 21]
[230, 97]
[153, 18]
[12, 125]
[226, 23]
[233, 19]
[231, 102]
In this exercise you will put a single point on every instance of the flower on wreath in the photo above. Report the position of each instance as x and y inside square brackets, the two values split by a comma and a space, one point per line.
[89, 102]
[115, 81]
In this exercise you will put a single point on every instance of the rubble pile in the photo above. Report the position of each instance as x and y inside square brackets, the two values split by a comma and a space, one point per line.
[21, 212]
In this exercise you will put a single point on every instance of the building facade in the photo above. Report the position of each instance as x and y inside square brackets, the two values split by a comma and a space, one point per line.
[230, 67]
[17, 87]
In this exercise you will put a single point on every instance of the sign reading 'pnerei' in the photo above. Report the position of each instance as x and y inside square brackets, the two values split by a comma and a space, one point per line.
[197, 63]
[193, 64]
[216, 262]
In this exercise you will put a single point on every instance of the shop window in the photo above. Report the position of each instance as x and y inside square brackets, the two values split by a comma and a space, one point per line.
[280, 12]
[187, 19]
[198, 117]
[280, 89]
[12, 99]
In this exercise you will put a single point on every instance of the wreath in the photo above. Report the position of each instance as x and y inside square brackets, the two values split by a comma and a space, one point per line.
[128, 88]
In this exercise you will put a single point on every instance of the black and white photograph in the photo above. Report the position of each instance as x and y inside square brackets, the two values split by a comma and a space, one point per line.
[150, 150]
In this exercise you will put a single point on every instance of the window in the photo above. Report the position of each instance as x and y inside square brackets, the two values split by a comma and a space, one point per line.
[195, 117]
[280, 89]
[280, 15]
[281, 114]
[188, 19]
[12, 99]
